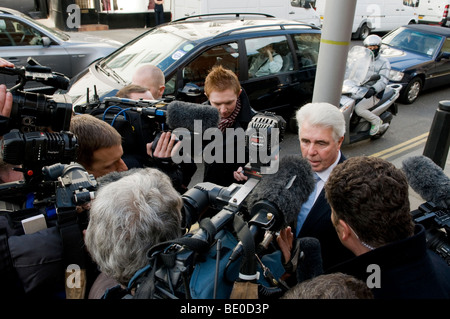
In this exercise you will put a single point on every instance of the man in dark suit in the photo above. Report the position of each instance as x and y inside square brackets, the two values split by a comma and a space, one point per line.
[376, 225]
[321, 133]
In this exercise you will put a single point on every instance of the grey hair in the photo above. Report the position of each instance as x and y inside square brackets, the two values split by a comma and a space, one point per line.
[129, 215]
[330, 286]
[322, 114]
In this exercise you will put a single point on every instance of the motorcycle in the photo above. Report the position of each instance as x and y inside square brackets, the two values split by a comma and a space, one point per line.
[359, 70]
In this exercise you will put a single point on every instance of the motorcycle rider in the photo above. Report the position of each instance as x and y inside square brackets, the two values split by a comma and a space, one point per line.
[375, 91]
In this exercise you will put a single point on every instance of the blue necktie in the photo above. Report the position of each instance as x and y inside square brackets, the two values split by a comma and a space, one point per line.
[306, 207]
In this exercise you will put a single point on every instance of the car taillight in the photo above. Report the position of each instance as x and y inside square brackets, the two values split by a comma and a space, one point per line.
[444, 16]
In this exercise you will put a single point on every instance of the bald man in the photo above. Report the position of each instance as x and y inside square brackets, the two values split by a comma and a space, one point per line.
[150, 77]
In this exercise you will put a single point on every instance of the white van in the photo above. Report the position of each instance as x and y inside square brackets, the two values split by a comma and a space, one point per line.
[377, 15]
[299, 10]
[434, 12]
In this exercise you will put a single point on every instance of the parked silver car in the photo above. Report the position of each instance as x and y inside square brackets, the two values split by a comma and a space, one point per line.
[22, 37]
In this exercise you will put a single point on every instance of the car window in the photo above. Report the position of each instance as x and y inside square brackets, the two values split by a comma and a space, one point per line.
[226, 55]
[446, 46]
[15, 33]
[307, 49]
[415, 41]
[269, 55]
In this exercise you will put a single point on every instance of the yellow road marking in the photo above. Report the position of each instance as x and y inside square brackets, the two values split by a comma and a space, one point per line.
[389, 152]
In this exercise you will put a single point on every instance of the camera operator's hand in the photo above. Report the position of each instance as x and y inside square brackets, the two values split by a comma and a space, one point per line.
[239, 175]
[6, 101]
[166, 146]
[5, 63]
[285, 241]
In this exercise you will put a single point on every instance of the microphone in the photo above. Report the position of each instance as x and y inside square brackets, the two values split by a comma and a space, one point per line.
[309, 263]
[428, 179]
[276, 201]
[183, 114]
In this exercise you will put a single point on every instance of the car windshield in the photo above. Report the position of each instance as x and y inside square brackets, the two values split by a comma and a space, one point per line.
[413, 40]
[157, 47]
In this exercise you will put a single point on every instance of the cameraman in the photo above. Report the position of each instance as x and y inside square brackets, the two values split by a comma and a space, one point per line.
[99, 145]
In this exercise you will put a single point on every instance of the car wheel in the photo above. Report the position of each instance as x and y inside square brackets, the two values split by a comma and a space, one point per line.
[412, 91]
[364, 32]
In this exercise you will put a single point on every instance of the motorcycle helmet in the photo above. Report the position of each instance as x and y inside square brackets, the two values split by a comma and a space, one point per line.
[373, 40]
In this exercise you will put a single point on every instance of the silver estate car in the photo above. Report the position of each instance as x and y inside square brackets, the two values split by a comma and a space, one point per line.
[22, 37]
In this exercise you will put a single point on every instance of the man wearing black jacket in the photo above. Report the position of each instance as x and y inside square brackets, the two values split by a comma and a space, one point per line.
[223, 89]
[321, 133]
[371, 214]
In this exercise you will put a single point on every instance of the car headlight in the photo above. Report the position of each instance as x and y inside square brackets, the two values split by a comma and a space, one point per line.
[395, 75]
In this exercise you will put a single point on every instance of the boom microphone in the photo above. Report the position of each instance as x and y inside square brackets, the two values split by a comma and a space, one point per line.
[281, 195]
[183, 114]
[428, 180]
[287, 189]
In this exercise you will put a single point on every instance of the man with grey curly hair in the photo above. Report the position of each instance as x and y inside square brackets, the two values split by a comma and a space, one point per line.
[128, 216]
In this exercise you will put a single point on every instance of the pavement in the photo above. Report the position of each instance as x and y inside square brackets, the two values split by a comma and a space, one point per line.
[124, 35]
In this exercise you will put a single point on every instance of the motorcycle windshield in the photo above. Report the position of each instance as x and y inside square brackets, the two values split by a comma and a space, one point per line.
[359, 65]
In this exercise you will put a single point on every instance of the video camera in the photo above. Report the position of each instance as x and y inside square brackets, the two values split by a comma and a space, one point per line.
[36, 138]
[172, 263]
[436, 221]
[37, 111]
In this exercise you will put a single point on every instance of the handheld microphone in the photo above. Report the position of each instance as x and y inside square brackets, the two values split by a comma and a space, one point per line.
[309, 263]
[184, 114]
[428, 179]
[276, 200]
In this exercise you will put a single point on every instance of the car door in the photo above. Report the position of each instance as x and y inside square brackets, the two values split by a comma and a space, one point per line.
[266, 82]
[441, 73]
[19, 40]
[284, 91]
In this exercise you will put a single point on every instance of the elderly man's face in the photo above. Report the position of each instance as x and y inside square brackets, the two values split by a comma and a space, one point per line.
[318, 146]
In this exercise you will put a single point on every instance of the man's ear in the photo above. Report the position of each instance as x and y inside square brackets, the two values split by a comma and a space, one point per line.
[345, 230]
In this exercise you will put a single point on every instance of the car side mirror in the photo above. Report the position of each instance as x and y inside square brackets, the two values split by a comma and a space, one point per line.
[46, 41]
[374, 77]
[443, 55]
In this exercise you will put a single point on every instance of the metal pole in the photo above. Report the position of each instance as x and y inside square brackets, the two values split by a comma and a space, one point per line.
[334, 46]
[438, 141]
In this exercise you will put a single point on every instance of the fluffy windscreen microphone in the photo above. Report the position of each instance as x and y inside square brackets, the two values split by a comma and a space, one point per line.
[183, 115]
[428, 179]
[309, 263]
[280, 196]
[287, 189]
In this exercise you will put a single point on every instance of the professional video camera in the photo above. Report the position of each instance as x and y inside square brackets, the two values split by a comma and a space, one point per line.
[45, 205]
[176, 268]
[436, 221]
[37, 111]
[37, 132]
[137, 121]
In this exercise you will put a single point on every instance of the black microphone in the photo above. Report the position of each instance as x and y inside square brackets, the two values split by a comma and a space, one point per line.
[183, 114]
[309, 263]
[428, 179]
[276, 201]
